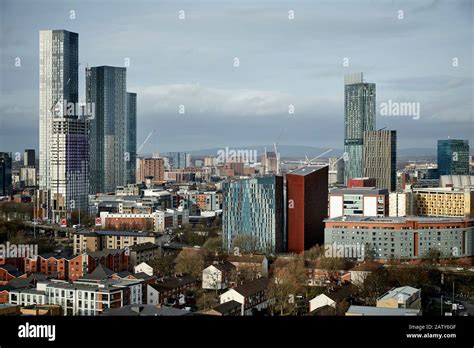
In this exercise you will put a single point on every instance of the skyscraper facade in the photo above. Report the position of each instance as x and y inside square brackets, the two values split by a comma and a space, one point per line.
[453, 157]
[359, 116]
[179, 160]
[307, 207]
[63, 131]
[113, 129]
[131, 138]
[254, 208]
[380, 158]
[29, 158]
[5, 174]
[69, 166]
[58, 84]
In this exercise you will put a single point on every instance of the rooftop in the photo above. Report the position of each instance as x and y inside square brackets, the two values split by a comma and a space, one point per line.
[395, 220]
[401, 294]
[306, 170]
[359, 191]
[144, 310]
[250, 288]
[379, 311]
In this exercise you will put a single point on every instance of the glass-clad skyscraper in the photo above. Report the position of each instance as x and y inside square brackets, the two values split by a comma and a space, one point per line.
[64, 156]
[254, 208]
[359, 116]
[453, 157]
[113, 129]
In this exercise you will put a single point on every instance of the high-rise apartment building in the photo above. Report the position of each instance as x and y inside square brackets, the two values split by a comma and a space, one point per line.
[63, 130]
[29, 158]
[5, 174]
[153, 168]
[453, 157]
[254, 208]
[359, 116]
[113, 129]
[380, 158]
[307, 207]
[68, 163]
[179, 160]
[131, 138]
[58, 85]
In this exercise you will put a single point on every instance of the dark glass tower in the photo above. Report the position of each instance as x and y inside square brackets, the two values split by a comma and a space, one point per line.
[359, 116]
[453, 157]
[113, 129]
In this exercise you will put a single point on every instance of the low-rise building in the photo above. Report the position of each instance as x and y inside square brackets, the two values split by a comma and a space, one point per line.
[217, 276]
[255, 263]
[143, 252]
[402, 297]
[252, 296]
[381, 311]
[87, 240]
[171, 291]
[403, 237]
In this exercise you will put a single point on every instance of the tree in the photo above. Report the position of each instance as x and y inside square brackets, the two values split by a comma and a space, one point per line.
[287, 281]
[190, 261]
[163, 265]
[376, 283]
[213, 244]
[206, 299]
[314, 253]
[245, 243]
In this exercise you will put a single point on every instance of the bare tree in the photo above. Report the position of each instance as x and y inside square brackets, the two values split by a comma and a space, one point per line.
[287, 281]
[190, 261]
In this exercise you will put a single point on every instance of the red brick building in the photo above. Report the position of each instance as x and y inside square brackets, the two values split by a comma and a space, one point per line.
[361, 182]
[307, 204]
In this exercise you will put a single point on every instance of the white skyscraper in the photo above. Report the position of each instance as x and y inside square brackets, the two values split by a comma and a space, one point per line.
[63, 170]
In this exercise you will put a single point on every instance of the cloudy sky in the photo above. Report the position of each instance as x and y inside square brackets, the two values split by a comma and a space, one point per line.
[408, 48]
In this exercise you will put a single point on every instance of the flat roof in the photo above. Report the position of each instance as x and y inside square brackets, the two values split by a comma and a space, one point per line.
[306, 170]
[401, 293]
[380, 311]
[358, 190]
[399, 219]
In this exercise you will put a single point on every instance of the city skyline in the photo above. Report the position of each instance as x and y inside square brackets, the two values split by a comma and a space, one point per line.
[247, 105]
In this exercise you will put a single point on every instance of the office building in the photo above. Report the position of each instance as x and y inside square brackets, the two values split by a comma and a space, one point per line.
[403, 237]
[363, 201]
[5, 174]
[307, 197]
[28, 176]
[359, 116]
[113, 129]
[29, 159]
[453, 157]
[380, 158]
[254, 208]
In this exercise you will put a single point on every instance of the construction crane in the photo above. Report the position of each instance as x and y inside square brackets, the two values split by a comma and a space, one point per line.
[146, 140]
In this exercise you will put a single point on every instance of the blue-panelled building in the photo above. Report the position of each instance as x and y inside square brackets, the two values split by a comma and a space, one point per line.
[255, 208]
[453, 157]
